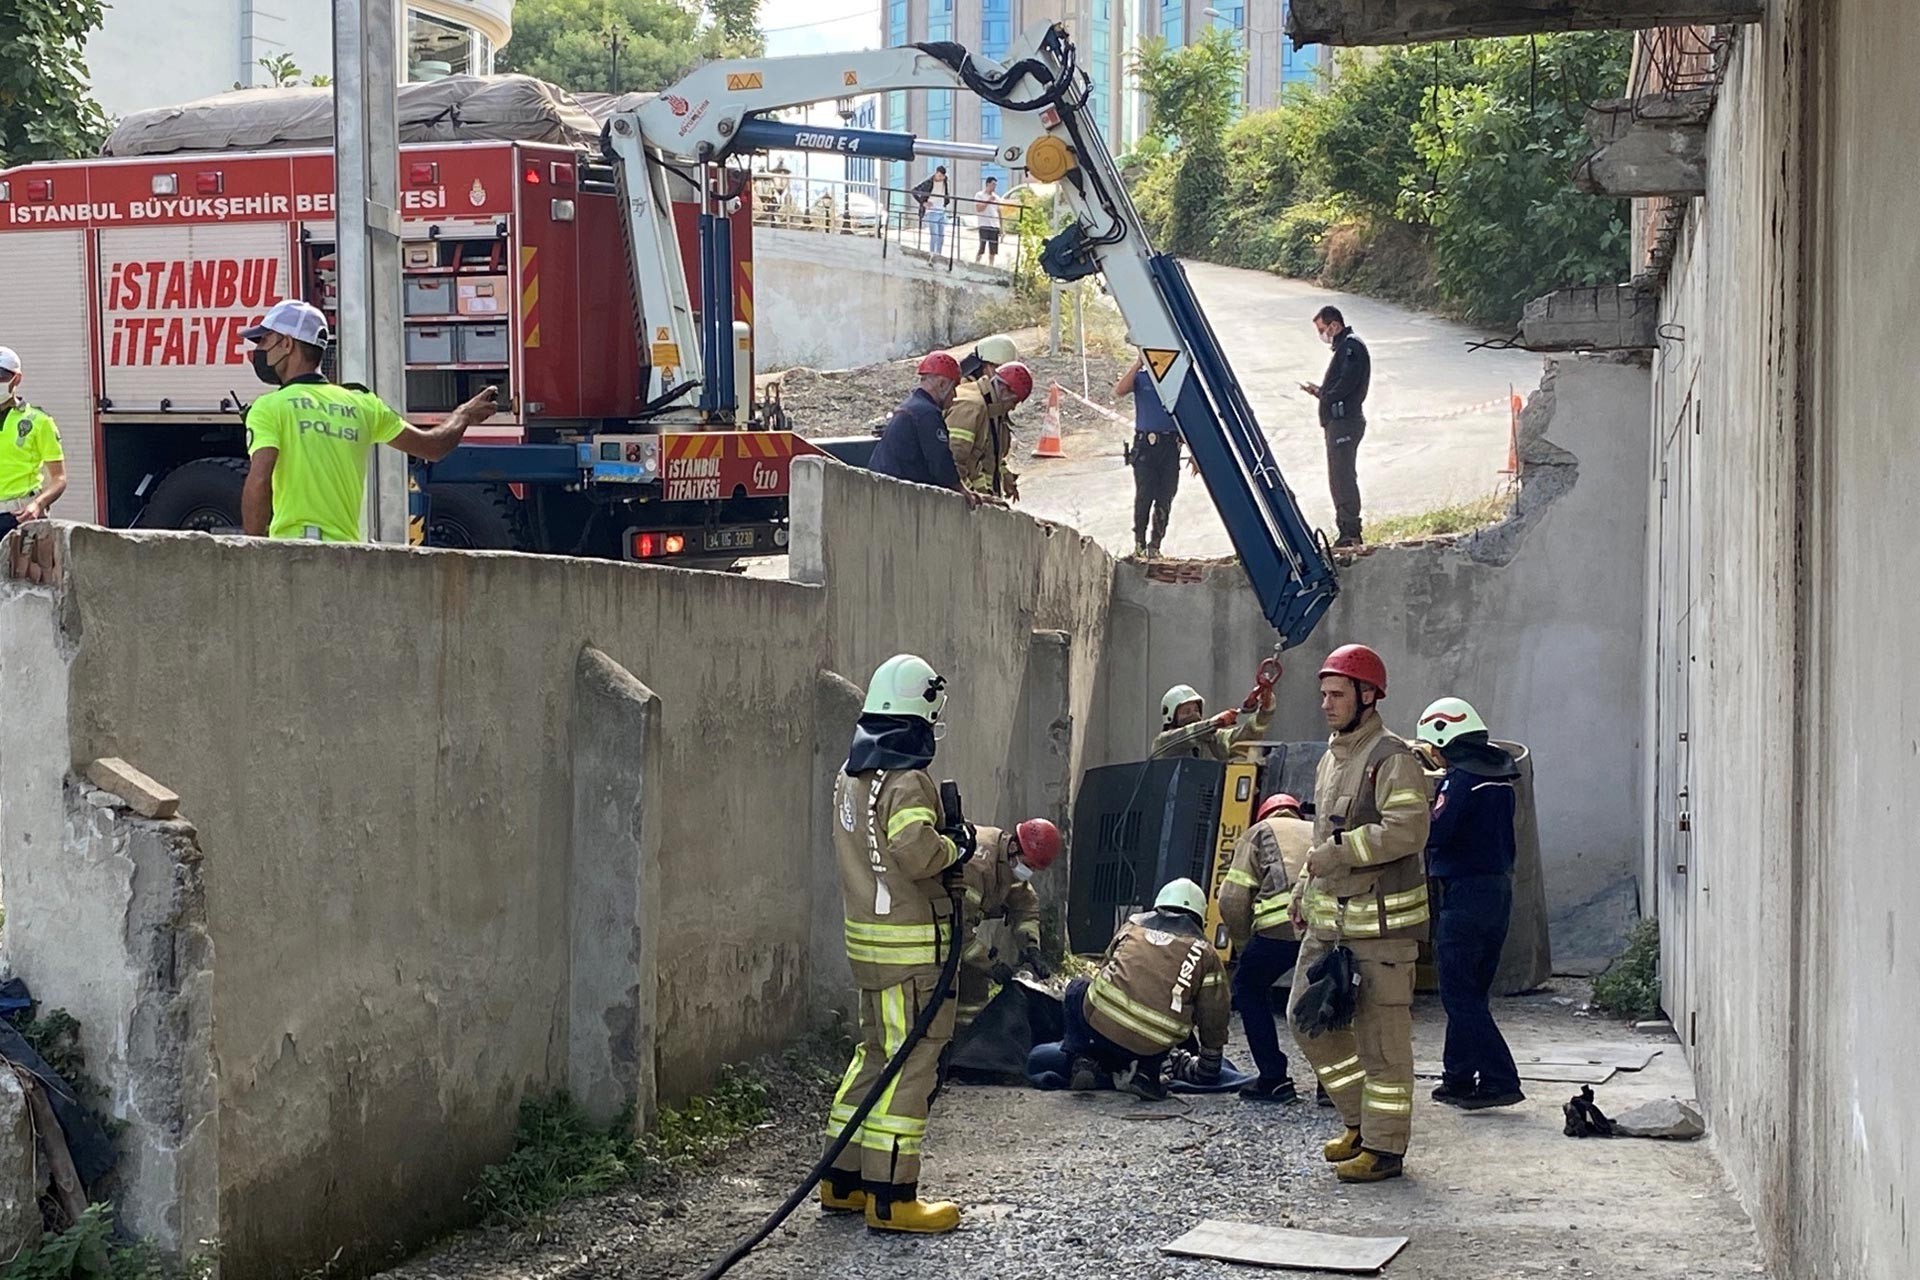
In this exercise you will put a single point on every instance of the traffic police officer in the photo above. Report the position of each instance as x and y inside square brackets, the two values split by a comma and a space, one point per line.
[33, 470]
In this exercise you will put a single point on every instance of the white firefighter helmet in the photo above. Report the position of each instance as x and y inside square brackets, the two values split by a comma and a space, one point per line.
[905, 685]
[1175, 698]
[1447, 719]
[996, 348]
[1183, 895]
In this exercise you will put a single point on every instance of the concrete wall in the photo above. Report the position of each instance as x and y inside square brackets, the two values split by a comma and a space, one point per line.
[1489, 618]
[1787, 937]
[835, 302]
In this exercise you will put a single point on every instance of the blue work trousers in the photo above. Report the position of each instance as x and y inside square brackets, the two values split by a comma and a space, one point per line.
[1469, 929]
[1257, 967]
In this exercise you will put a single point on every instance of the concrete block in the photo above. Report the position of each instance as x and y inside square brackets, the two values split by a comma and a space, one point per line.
[1041, 764]
[612, 888]
[1371, 22]
[19, 1186]
[1650, 146]
[1600, 318]
[142, 794]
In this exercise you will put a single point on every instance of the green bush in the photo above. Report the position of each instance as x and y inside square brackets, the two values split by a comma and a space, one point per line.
[1630, 987]
[88, 1250]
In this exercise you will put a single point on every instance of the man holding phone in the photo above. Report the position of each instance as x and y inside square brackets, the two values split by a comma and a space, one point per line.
[1343, 397]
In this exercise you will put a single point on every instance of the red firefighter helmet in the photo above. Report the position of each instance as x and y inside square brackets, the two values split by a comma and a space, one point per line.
[1039, 842]
[1017, 378]
[1274, 804]
[938, 364]
[1357, 662]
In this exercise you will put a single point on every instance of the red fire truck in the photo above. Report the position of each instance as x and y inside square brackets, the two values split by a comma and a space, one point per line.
[132, 280]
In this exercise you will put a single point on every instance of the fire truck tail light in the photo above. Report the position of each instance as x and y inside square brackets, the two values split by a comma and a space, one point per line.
[209, 182]
[562, 210]
[531, 174]
[560, 173]
[165, 184]
[423, 173]
[675, 544]
[645, 546]
[39, 188]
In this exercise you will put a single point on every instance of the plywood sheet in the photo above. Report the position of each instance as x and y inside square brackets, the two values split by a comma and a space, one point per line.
[1287, 1247]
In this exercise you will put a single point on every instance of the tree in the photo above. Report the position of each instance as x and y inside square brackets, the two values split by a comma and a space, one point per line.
[618, 46]
[45, 113]
[1190, 93]
[284, 73]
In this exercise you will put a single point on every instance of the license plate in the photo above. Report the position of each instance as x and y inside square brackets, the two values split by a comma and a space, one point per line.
[728, 540]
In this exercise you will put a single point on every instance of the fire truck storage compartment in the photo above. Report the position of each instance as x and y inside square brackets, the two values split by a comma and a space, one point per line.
[54, 346]
[429, 344]
[480, 344]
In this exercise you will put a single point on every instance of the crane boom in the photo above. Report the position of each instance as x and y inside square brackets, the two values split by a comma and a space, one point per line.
[1043, 95]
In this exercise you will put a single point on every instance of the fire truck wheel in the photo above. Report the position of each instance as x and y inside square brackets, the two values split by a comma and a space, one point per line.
[474, 517]
[202, 495]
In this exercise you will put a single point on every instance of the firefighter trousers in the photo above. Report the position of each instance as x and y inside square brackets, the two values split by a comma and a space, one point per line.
[975, 983]
[885, 1153]
[1367, 1069]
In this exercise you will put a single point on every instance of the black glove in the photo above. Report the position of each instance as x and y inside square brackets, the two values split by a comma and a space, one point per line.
[1002, 972]
[1030, 957]
[965, 840]
[1206, 1068]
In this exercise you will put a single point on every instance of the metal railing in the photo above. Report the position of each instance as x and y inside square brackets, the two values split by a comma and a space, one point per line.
[890, 216]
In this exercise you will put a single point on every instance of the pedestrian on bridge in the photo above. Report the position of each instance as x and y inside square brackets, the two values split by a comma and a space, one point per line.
[33, 470]
[1343, 400]
[309, 440]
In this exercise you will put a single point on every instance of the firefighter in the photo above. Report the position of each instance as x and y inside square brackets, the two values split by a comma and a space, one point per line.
[1255, 903]
[33, 470]
[309, 440]
[894, 855]
[989, 354]
[1159, 983]
[1185, 729]
[1470, 868]
[913, 447]
[1364, 887]
[980, 433]
[998, 887]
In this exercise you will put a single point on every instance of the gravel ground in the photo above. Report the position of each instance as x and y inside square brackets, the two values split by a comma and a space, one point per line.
[1060, 1185]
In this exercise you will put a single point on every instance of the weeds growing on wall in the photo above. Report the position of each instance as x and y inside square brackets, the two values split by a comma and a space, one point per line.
[559, 1154]
[1455, 517]
[55, 1036]
[1630, 988]
[88, 1251]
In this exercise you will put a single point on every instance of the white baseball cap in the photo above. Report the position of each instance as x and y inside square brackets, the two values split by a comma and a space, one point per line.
[9, 360]
[299, 320]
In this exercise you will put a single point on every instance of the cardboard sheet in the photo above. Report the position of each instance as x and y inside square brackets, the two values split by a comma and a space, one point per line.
[1286, 1247]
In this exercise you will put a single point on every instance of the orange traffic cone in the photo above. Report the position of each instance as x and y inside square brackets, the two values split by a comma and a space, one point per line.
[1049, 443]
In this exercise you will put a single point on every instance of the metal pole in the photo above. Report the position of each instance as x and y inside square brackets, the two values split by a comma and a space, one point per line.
[366, 34]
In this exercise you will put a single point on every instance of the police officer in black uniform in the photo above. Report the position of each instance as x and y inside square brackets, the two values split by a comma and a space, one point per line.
[1343, 398]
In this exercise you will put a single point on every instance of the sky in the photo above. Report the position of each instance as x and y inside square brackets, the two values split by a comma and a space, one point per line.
[819, 26]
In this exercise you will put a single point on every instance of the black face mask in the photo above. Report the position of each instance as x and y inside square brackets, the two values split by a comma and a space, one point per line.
[263, 367]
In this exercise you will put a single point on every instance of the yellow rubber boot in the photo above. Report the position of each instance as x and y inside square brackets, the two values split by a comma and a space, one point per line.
[1343, 1148]
[921, 1217]
[834, 1201]
[1368, 1166]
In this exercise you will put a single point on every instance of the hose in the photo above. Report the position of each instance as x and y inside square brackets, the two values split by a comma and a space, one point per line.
[949, 973]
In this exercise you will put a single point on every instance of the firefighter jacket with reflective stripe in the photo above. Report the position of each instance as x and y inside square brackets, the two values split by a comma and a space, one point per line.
[993, 894]
[1211, 744]
[1160, 980]
[980, 436]
[1370, 822]
[891, 856]
[1267, 860]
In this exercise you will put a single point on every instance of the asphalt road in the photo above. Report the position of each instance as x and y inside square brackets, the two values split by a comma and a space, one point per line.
[1437, 416]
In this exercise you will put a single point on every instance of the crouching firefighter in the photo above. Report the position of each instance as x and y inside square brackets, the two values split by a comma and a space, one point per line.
[896, 865]
[1364, 889]
[1160, 983]
[1256, 903]
[997, 888]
